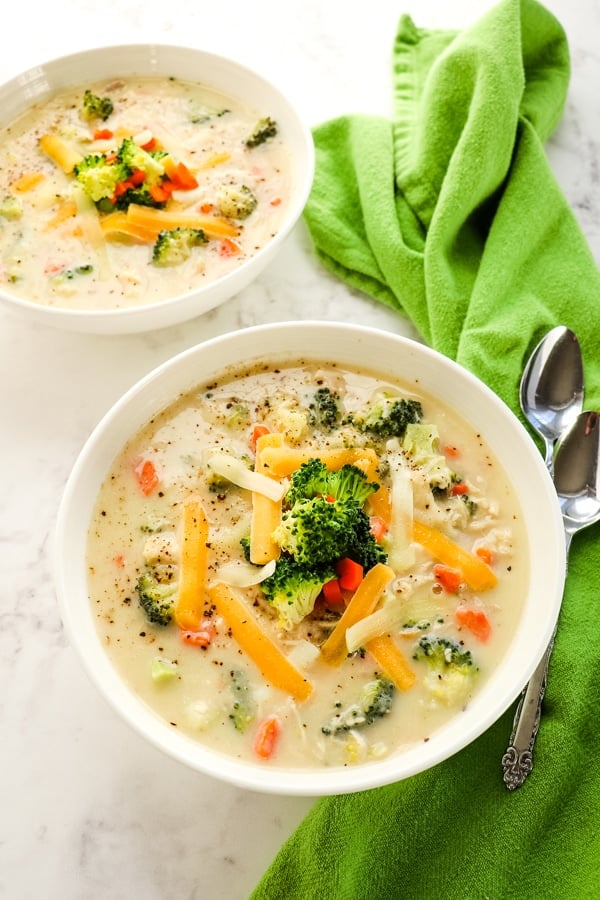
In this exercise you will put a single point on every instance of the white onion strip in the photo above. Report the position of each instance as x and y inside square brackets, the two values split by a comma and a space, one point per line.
[235, 471]
[239, 573]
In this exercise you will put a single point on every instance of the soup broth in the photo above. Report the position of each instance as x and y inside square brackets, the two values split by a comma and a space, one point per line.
[84, 195]
[447, 542]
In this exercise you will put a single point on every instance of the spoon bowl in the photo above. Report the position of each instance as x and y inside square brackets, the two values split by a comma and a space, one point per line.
[577, 474]
[551, 389]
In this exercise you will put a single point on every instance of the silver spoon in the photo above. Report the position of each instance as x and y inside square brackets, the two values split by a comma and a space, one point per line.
[577, 482]
[551, 390]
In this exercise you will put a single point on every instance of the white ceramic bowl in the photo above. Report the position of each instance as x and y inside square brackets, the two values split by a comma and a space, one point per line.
[224, 75]
[395, 357]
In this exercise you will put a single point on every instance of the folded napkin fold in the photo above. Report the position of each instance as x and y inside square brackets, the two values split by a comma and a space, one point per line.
[449, 213]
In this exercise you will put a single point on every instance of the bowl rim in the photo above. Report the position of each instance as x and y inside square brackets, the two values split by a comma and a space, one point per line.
[126, 319]
[549, 567]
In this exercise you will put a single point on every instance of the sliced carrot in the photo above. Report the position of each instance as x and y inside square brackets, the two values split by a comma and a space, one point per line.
[227, 247]
[379, 527]
[350, 574]
[477, 574]
[449, 578]
[266, 513]
[332, 592]
[363, 602]
[182, 178]
[146, 474]
[475, 620]
[159, 193]
[248, 632]
[103, 134]
[203, 637]
[189, 606]
[459, 489]
[451, 451]
[485, 554]
[266, 736]
[392, 661]
[257, 431]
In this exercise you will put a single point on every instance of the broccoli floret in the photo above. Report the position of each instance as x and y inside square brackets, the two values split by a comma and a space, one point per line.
[375, 702]
[323, 518]
[95, 107]
[236, 202]
[11, 208]
[263, 130]
[313, 479]
[157, 598]
[135, 158]
[325, 409]
[199, 113]
[451, 667]
[441, 653]
[245, 545]
[175, 245]
[319, 531]
[388, 416]
[98, 176]
[308, 481]
[350, 481]
[421, 444]
[292, 589]
[242, 713]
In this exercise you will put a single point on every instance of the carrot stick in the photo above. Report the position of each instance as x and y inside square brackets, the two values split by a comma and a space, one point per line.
[189, 607]
[266, 736]
[477, 573]
[60, 152]
[391, 660]
[158, 220]
[266, 513]
[252, 638]
[282, 461]
[363, 602]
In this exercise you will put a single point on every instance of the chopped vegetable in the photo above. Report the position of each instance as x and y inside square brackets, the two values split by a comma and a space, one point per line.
[363, 602]
[162, 670]
[193, 568]
[61, 152]
[260, 647]
[392, 661]
[477, 574]
[146, 475]
[266, 511]
[350, 574]
[234, 470]
[475, 620]
[266, 736]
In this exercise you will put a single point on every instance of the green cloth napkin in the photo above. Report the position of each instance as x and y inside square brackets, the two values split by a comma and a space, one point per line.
[450, 214]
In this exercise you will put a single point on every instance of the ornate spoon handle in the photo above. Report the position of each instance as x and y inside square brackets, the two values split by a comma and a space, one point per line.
[517, 761]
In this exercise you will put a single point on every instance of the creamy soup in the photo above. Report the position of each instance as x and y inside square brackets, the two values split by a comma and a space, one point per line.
[306, 564]
[91, 177]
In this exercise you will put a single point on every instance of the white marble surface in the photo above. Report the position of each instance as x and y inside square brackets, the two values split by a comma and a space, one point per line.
[87, 810]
